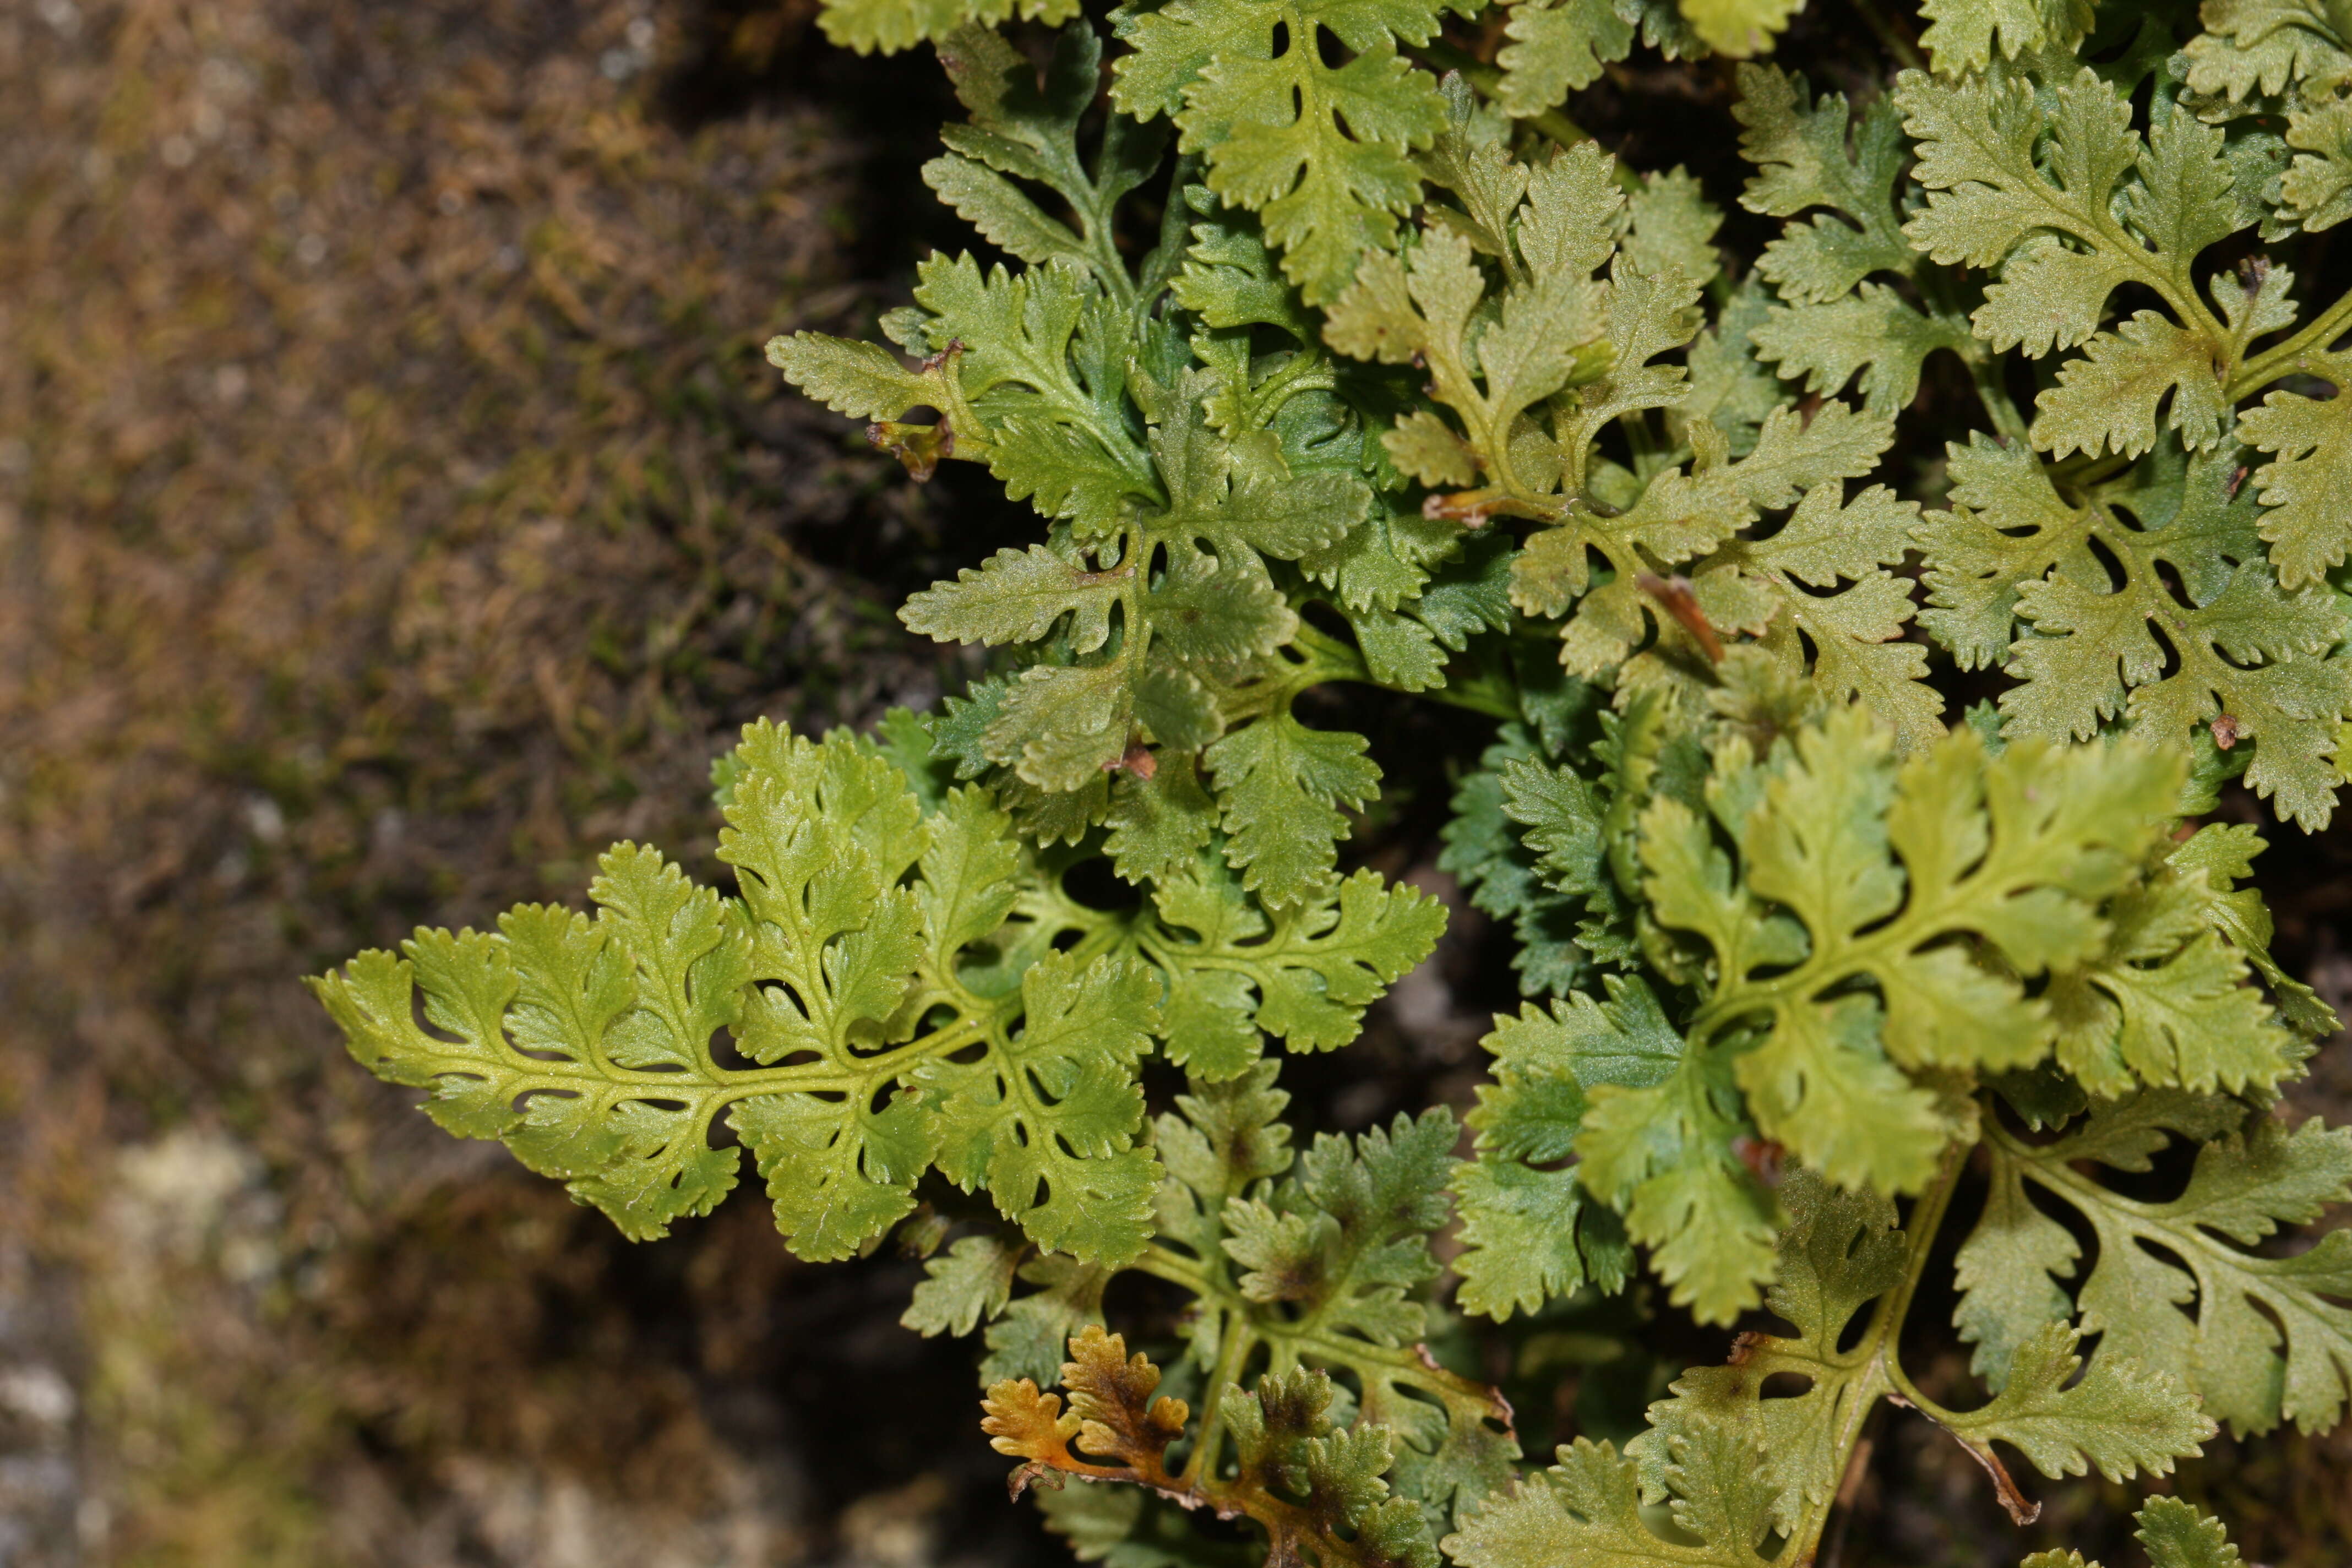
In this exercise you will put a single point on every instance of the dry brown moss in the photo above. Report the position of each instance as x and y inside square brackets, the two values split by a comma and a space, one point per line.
[393, 511]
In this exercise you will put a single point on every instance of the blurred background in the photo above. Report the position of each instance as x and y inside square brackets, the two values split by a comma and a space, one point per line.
[395, 509]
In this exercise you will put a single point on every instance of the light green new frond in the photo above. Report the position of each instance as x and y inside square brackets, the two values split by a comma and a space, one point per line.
[890, 26]
[1322, 153]
[1556, 333]
[1894, 875]
[2170, 1000]
[585, 1043]
[2013, 560]
[582, 1044]
[819, 836]
[1550, 335]
[1553, 329]
[1586, 1510]
[2267, 1342]
[546, 1033]
[2122, 1418]
[1961, 34]
[1647, 316]
[1530, 1231]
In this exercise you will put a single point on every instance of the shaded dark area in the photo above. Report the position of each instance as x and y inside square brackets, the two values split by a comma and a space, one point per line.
[394, 510]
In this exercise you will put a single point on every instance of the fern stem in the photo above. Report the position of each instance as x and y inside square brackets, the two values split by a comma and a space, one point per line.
[1475, 697]
[2087, 472]
[2009, 421]
[1235, 1342]
[1328, 658]
[1488, 692]
[1233, 1351]
[1175, 1267]
[1649, 460]
[1881, 1371]
[2291, 354]
[2060, 1177]
[1925, 1222]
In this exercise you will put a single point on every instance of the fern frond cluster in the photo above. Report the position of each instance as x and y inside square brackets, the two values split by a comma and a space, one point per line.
[1327, 349]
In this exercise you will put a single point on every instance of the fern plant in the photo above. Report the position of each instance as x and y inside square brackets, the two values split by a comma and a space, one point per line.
[1329, 349]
